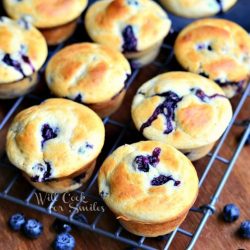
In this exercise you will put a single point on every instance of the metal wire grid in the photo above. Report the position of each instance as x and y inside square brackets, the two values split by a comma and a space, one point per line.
[206, 210]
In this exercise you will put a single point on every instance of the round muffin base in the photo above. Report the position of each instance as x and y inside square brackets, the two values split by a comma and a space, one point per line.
[197, 153]
[60, 33]
[152, 230]
[108, 107]
[65, 184]
[142, 58]
[18, 88]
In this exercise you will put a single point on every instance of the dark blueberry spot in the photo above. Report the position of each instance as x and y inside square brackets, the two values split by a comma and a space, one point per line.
[187, 153]
[203, 46]
[204, 74]
[32, 228]
[167, 109]
[13, 63]
[27, 60]
[48, 133]
[24, 24]
[129, 39]
[244, 230]
[86, 146]
[162, 179]
[104, 194]
[80, 218]
[239, 85]
[143, 163]
[79, 178]
[78, 98]
[61, 226]
[209, 47]
[16, 221]
[132, 2]
[231, 213]
[202, 96]
[16, 64]
[42, 172]
[64, 241]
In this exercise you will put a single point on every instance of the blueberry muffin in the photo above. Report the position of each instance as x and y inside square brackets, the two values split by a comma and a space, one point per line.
[91, 74]
[149, 186]
[55, 144]
[56, 19]
[185, 110]
[23, 51]
[218, 49]
[197, 8]
[134, 27]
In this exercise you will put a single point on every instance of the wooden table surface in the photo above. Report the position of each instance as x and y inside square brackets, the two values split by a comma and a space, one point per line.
[216, 234]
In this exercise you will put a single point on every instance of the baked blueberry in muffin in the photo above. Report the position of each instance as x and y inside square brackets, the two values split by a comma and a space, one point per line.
[197, 8]
[23, 51]
[89, 73]
[217, 49]
[182, 109]
[55, 144]
[56, 19]
[149, 186]
[136, 28]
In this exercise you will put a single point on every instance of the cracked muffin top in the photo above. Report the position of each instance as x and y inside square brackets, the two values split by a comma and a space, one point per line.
[216, 48]
[87, 72]
[45, 13]
[182, 109]
[54, 139]
[197, 8]
[23, 50]
[127, 25]
[141, 181]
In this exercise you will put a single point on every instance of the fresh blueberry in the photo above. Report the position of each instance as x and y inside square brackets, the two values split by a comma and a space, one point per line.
[61, 226]
[64, 241]
[231, 213]
[162, 179]
[244, 230]
[167, 109]
[16, 221]
[32, 228]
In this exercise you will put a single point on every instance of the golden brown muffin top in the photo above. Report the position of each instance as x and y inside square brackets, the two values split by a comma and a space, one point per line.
[127, 25]
[148, 182]
[197, 8]
[87, 71]
[46, 13]
[216, 48]
[23, 50]
[182, 109]
[54, 139]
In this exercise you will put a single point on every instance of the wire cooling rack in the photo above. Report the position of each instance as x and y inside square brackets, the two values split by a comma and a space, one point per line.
[12, 179]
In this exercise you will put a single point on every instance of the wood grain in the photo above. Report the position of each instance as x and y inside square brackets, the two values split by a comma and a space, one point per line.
[216, 234]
